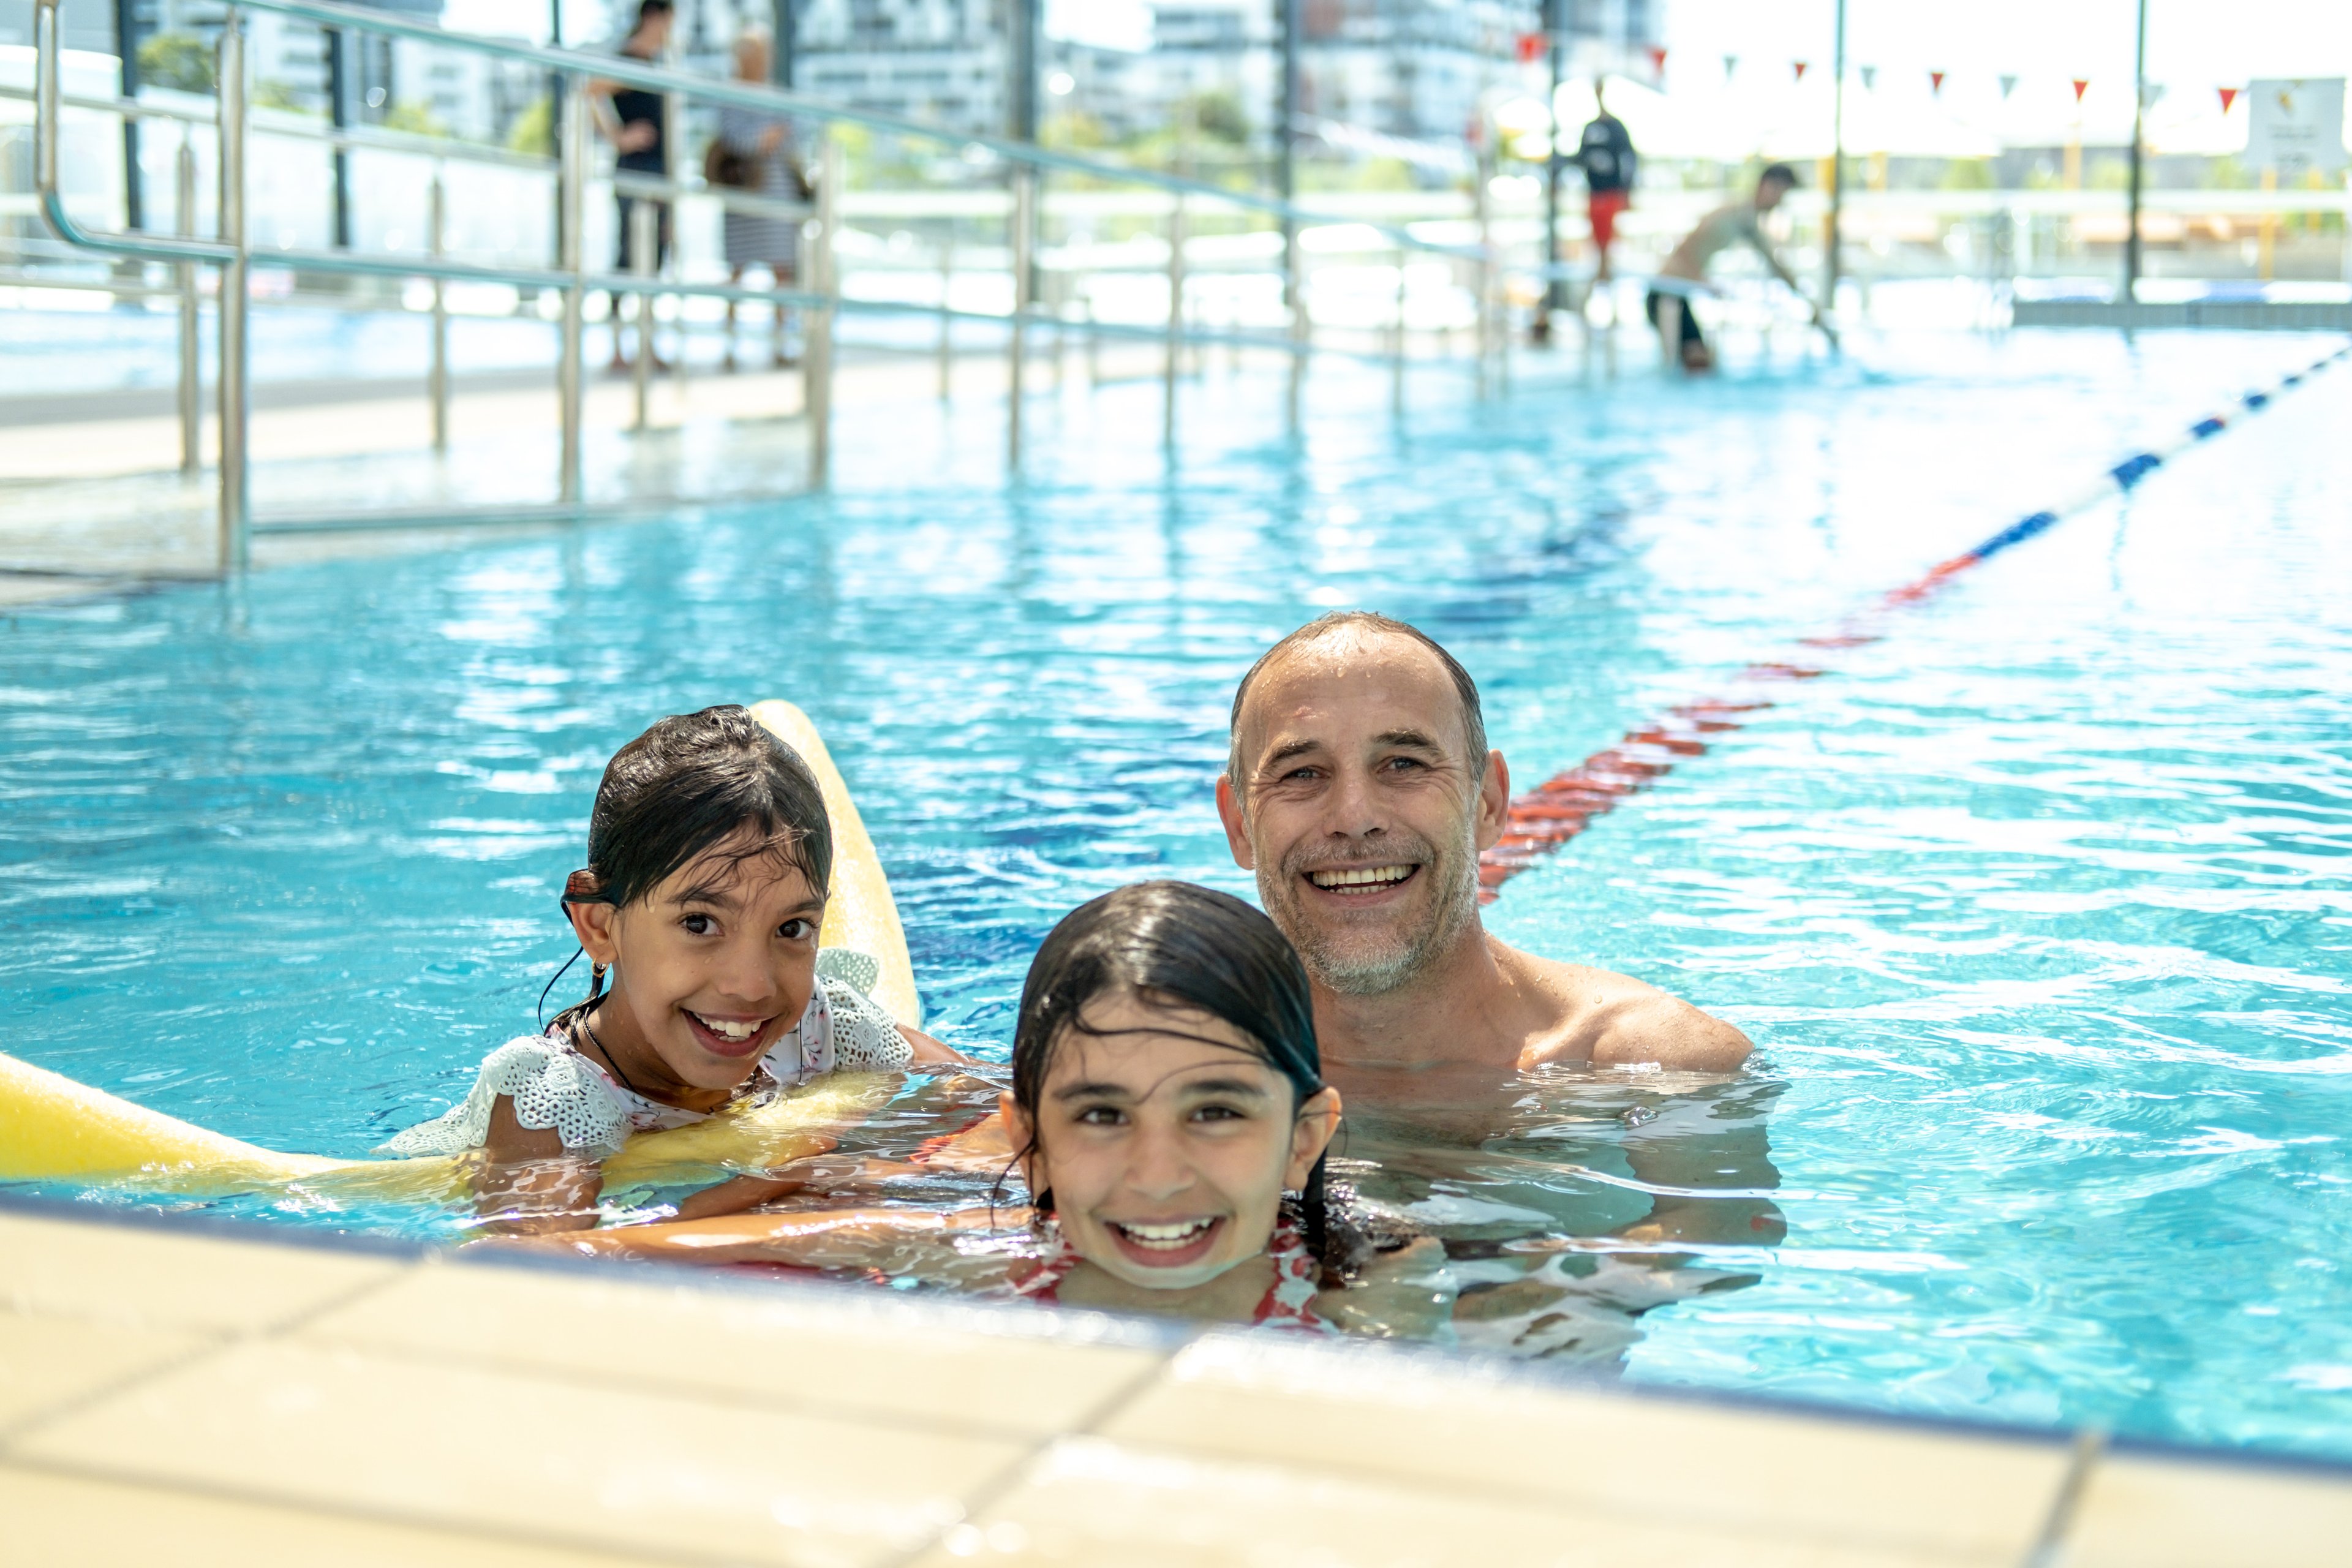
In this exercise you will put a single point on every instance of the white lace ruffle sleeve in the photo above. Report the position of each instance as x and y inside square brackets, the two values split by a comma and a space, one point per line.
[864, 1037]
[551, 1085]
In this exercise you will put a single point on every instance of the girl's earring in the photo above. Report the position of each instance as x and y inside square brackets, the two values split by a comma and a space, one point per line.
[595, 981]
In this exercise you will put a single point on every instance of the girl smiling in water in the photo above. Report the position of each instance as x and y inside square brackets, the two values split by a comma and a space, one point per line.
[709, 857]
[1166, 1097]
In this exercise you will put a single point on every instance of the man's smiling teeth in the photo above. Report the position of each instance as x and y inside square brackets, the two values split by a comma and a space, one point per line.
[729, 1028]
[1360, 876]
[1165, 1236]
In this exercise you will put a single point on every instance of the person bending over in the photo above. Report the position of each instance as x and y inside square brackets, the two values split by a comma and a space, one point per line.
[1669, 308]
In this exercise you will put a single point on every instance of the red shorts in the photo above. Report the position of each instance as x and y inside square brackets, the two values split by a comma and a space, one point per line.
[1603, 207]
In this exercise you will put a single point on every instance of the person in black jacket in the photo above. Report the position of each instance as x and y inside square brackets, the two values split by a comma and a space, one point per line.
[1606, 155]
[636, 126]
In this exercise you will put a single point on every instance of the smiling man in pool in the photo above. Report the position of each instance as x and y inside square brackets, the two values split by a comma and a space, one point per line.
[1360, 789]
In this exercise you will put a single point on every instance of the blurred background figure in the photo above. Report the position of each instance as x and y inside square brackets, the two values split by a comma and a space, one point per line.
[633, 121]
[756, 153]
[1606, 156]
[1668, 306]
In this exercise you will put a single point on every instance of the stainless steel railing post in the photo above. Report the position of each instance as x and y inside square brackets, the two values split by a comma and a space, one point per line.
[817, 365]
[572, 252]
[436, 219]
[184, 275]
[235, 350]
[1175, 345]
[1024, 226]
[642, 227]
[1485, 346]
[1396, 345]
[1294, 287]
[947, 322]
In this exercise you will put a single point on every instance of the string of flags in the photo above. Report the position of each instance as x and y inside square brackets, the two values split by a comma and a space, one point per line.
[1532, 47]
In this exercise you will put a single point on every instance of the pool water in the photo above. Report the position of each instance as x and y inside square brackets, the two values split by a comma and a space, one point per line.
[2037, 909]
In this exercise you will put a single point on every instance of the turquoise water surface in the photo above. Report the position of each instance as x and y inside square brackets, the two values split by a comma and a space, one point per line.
[2038, 910]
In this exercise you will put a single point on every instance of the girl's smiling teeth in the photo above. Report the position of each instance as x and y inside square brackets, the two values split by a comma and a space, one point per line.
[732, 1031]
[1171, 1236]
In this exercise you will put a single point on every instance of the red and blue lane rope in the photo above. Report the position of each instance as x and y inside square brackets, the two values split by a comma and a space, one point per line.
[1564, 805]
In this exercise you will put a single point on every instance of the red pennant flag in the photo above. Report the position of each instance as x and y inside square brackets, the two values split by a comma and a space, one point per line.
[1935, 78]
[1800, 69]
[1531, 47]
[2229, 97]
[2081, 84]
[1657, 60]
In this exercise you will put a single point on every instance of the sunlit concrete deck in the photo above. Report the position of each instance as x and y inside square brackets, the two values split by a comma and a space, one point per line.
[91, 501]
[192, 1394]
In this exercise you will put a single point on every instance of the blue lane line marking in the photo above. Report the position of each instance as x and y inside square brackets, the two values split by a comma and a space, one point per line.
[2016, 533]
[2133, 469]
[2205, 427]
[2256, 399]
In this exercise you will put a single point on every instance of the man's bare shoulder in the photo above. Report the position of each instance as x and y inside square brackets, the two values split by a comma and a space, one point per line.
[1596, 1016]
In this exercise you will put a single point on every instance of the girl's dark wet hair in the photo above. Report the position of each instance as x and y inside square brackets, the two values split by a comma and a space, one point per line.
[1187, 946]
[695, 783]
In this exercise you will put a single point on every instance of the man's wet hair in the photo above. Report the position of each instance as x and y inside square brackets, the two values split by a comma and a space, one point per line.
[1474, 721]
[1780, 171]
[653, 8]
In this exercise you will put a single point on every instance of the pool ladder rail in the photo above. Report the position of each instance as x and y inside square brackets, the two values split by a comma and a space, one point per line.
[231, 251]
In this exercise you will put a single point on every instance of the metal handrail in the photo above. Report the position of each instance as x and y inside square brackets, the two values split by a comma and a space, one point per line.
[570, 277]
[633, 72]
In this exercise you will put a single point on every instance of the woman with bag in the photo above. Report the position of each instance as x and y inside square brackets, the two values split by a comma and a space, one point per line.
[754, 153]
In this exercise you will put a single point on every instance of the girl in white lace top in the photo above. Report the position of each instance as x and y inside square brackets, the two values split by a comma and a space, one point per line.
[709, 857]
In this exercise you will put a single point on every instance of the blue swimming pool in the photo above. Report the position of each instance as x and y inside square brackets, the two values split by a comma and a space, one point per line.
[2038, 909]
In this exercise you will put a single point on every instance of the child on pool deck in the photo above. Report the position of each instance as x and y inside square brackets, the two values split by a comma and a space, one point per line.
[1166, 1096]
[709, 853]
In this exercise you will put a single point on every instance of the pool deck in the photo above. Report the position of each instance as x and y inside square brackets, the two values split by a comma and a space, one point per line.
[198, 1392]
[91, 501]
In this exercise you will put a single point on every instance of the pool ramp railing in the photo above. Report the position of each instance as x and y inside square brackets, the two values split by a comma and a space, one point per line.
[1555, 811]
[234, 253]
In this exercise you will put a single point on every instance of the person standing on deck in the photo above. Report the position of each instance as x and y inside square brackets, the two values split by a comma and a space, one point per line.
[1727, 225]
[1606, 156]
[635, 121]
[758, 153]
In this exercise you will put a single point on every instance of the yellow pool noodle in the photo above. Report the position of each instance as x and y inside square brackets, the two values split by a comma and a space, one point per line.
[55, 1129]
[860, 912]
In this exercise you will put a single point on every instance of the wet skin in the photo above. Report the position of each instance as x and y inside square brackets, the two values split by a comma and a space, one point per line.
[1354, 755]
[709, 970]
[1167, 1142]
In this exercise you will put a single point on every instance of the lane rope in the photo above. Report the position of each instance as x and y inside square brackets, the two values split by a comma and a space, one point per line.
[1563, 805]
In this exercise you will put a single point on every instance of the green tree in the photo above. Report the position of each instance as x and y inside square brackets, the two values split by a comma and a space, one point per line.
[1968, 174]
[271, 93]
[533, 130]
[414, 118]
[179, 60]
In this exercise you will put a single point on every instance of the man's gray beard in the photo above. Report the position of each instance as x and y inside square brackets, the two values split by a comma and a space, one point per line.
[1359, 973]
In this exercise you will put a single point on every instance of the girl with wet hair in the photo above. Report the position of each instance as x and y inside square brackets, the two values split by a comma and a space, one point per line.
[709, 855]
[1168, 1115]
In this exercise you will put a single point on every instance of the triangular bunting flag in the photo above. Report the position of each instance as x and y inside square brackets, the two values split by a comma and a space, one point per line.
[1869, 79]
[1731, 64]
[1801, 66]
[2008, 86]
[2229, 97]
[2081, 84]
[1935, 80]
[1657, 60]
